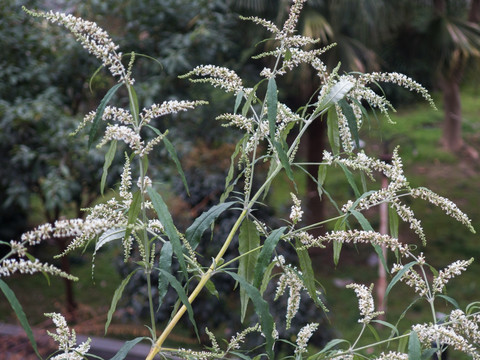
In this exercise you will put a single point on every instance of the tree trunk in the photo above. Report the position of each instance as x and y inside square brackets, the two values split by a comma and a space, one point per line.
[452, 125]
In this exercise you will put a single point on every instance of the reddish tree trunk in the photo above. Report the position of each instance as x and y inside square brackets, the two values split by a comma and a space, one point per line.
[452, 125]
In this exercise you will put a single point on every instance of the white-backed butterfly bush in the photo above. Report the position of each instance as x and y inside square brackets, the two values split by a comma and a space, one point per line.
[304, 336]
[67, 340]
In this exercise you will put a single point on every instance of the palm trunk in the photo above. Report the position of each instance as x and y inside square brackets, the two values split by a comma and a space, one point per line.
[452, 125]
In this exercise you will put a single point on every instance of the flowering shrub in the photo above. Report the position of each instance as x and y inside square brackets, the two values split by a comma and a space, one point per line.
[139, 219]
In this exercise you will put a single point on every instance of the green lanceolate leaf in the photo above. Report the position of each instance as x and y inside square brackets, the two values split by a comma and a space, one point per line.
[414, 347]
[238, 101]
[272, 102]
[173, 154]
[351, 119]
[266, 254]
[450, 300]
[166, 219]
[133, 99]
[124, 350]
[321, 176]
[283, 157]
[106, 165]
[203, 222]
[262, 310]
[248, 240]
[337, 245]
[231, 171]
[116, 297]
[307, 272]
[350, 179]
[182, 295]
[17, 307]
[164, 263]
[332, 131]
[398, 276]
[393, 222]
[99, 113]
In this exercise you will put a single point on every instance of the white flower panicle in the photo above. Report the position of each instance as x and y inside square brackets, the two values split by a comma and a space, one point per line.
[465, 325]
[126, 183]
[446, 205]
[365, 302]
[357, 237]
[454, 269]
[412, 279]
[450, 335]
[67, 340]
[167, 107]
[217, 76]
[238, 121]
[392, 355]
[304, 336]
[296, 211]
[125, 134]
[398, 79]
[9, 267]
[94, 39]
[290, 278]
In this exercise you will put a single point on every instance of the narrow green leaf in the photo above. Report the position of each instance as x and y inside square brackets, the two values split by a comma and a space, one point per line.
[387, 324]
[282, 156]
[173, 154]
[428, 353]
[262, 310]
[124, 350]
[414, 347]
[99, 113]
[450, 300]
[133, 99]
[362, 220]
[307, 271]
[250, 99]
[272, 103]
[266, 254]
[351, 119]
[402, 343]
[238, 101]
[182, 295]
[108, 161]
[164, 263]
[231, 171]
[393, 222]
[337, 246]
[248, 239]
[374, 332]
[350, 179]
[166, 219]
[211, 288]
[330, 345]
[17, 307]
[321, 176]
[203, 222]
[266, 277]
[398, 276]
[116, 297]
[333, 131]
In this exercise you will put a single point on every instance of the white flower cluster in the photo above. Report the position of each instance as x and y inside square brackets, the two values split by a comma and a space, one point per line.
[365, 302]
[67, 340]
[412, 279]
[460, 332]
[296, 211]
[356, 237]
[291, 279]
[304, 336]
[94, 39]
[454, 269]
[126, 183]
[217, 76]
[392, 355]
[237, 120]
[167, 107]
[11, 266]
[445, 204]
